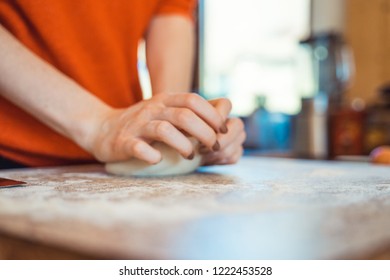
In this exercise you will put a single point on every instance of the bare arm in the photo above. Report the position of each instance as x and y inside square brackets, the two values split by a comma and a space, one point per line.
[38, 88]
[170, 45]
[108, 134]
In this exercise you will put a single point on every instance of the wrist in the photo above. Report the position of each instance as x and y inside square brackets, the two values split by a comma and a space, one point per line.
[88, 127]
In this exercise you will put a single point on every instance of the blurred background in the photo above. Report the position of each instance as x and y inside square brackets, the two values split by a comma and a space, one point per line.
[310, 78]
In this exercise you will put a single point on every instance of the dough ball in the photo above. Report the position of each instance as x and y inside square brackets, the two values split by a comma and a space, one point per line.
[381, 155]
[172, 163]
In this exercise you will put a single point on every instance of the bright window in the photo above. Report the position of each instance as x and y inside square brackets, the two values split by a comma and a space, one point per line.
[250, 48]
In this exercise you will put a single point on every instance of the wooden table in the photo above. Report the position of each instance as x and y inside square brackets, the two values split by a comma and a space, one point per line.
[261, 208]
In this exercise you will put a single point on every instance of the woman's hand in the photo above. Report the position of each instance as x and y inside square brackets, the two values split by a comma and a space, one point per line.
[231, 142]
[169, 118]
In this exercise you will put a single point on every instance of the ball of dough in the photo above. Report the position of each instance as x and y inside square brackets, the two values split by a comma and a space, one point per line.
[172, 163]
[381, 155]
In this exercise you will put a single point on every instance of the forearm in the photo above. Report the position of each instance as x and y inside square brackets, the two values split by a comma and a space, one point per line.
[38, 88]
[170, 48]
[118, 134]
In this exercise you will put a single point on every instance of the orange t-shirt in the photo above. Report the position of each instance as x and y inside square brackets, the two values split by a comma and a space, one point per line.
[92, 41]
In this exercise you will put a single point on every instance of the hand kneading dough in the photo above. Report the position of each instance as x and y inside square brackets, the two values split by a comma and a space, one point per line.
[172, 163]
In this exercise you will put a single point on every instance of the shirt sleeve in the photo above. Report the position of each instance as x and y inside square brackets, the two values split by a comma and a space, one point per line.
[181, 7]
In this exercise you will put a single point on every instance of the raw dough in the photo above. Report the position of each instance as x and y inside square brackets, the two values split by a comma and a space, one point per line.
[172, 163]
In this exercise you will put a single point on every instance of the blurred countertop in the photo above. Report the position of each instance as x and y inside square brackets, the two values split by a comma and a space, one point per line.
[260, 208]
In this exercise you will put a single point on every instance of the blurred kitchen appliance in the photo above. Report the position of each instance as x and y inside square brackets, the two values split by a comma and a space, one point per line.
[346, 131]
[310, 138]
[332, 69]
[267, 131]
[377, 125]
[332, 64]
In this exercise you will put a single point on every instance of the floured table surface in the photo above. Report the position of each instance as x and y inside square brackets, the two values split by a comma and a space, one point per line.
[261, 208]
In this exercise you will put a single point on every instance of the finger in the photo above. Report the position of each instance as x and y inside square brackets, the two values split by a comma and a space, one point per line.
[235, 128]
[232, 159]
[165, 132]
[189, 122]
[209, 159]
[141, 150]
[232, 148]
[199, 106]
[229, 154]
[222, 105]
[235, 157]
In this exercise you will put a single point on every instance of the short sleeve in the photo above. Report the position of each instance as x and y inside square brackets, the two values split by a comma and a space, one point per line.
[181, 7]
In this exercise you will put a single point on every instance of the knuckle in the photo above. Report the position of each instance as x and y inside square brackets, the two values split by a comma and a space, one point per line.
[192, 100]
[209, 138]
[184, 115]
[151, 109]
[146, 112]
[163, 128]
[228, 103]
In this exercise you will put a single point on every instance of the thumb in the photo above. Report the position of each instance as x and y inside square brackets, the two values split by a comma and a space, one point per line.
[222, 105]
